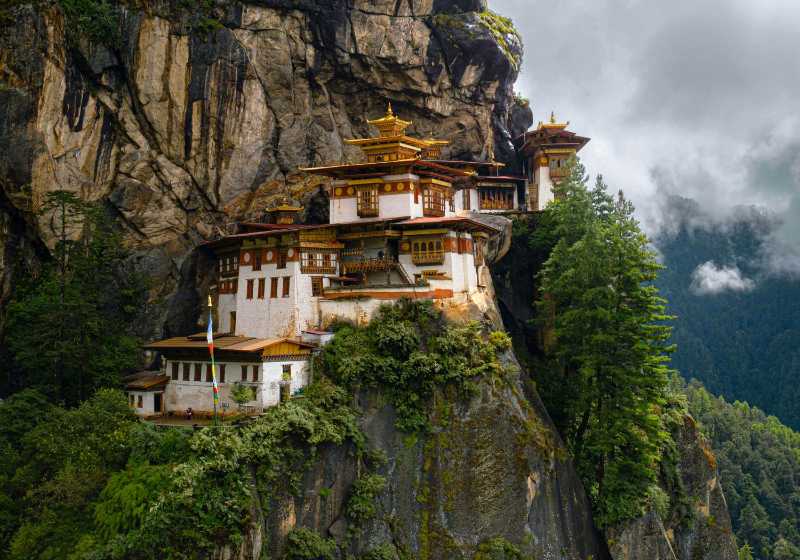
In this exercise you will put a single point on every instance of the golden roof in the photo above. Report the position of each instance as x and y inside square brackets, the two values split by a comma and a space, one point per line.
[389, 124]
[552, 124]
[286, 208]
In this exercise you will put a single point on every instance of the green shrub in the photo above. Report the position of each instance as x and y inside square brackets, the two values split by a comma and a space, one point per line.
[305, 544]
[409, 352]
[383, 551]
[361, 504]
[498, 548]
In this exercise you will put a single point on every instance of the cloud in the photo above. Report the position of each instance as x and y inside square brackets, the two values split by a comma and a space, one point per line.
[710, 279]
[696, 100]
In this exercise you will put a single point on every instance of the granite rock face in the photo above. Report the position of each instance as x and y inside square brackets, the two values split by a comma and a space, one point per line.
[493, 467]
[704, 533]
[180, 132]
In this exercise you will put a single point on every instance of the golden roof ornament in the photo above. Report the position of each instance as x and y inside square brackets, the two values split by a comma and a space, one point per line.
[390, 125]
[552, 123]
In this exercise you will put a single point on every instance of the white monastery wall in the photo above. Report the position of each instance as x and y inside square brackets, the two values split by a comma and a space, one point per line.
[148, 402]
[273, 375]
[544, 185]
[343, 210]
[226, 303]
[181, 394]
[396, 205]
[269, 317]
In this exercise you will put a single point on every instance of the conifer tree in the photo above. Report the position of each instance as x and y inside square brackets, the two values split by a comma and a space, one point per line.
[609, 345]
[69, 325]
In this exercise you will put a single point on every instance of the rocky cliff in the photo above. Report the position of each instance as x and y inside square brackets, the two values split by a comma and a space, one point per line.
[184, 121]
[493, 469]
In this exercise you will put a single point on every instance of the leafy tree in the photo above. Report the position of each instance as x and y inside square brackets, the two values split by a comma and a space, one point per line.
[242, 394]
[62, 462]
[607, 380]
[69, 328]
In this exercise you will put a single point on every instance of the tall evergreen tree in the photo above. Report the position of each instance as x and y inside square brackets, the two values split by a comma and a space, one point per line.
[608, 345]
[68, 329]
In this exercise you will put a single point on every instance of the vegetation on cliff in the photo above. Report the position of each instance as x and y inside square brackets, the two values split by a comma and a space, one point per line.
[68, 328]
[759, 465]
[604, 378]
[409, 352]
[93, 482]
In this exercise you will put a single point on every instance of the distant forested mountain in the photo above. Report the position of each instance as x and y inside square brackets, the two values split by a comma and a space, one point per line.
[738, 327]
[759, 465]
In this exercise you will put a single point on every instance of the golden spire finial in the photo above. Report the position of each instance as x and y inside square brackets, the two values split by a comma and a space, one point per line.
[552, 117]
[209, 301]
[389, 112]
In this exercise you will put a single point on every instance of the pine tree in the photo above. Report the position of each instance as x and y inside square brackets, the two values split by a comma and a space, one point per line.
[69, 326]
[610, 345]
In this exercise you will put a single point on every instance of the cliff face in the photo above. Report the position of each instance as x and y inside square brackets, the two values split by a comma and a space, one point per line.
[491, 468]
[180, 132]
[704, 533]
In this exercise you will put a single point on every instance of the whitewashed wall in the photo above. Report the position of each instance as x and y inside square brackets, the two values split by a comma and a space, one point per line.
[148, 402]
[544, 186]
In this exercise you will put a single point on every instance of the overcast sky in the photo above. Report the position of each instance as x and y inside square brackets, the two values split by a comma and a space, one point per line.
[699, 98]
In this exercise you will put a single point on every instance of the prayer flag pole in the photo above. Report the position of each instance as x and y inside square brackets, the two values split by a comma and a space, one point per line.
[210, 339]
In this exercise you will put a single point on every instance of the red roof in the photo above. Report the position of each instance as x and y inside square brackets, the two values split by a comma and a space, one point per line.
[449, 220]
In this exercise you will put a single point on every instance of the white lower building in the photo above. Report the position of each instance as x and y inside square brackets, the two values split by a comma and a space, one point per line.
[275, 369]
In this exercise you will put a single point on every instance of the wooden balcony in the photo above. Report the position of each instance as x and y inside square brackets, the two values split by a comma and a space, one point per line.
[427, 257]
[368, 265]
[433, 211]
[315, 269]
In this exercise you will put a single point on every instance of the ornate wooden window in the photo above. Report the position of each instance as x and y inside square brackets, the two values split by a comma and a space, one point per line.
[427, 251]
[287, 372]
[139, 401]
[558, 168]
[175, 367]
[281, 258]
[255, 374]
[198, 372]
[286, 281]
[316, 286]
[186, 367]
[496, 199]
[467, 199]
[209, 373]
[250, 289]
[257, 259]
[222, 373]
[433, 201]
[367, 201]
[273, 287]
[262, 282]
[318, 262]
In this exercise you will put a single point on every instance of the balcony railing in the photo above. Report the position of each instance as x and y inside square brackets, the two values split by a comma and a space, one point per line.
[315, 269]
[427, 257]
[368, 265]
